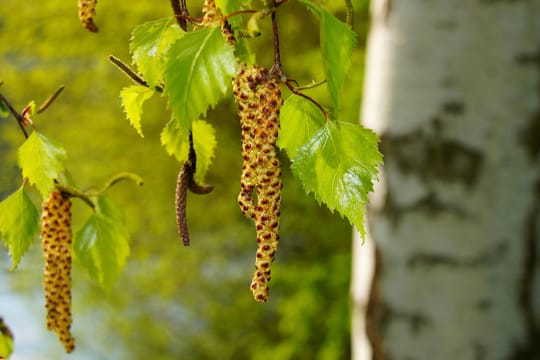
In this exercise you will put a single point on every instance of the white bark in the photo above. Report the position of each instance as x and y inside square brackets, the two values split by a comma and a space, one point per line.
[453, 88]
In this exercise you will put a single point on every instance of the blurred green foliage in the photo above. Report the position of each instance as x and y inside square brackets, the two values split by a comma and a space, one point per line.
[174, 302]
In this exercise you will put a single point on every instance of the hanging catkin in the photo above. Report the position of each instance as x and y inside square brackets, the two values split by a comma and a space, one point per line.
[87, 12]
[212, 16]
[258, 96]
[56, 240]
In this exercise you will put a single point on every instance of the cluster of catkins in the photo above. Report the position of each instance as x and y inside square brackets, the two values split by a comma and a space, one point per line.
[258, 96]
[56, 240]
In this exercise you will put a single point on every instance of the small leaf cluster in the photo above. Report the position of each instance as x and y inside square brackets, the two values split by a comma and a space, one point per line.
[101, 245]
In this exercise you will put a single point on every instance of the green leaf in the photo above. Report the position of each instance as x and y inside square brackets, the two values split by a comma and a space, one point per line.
[339, 164]
[316, 9]
[41, 161]
[133, 98]
[175, 142]
[19, 224]
[198, 73]
[337, 41]
[337, 44]
[6, 341]
[204, 142]
[149, 45]
[102, 245]
[299, 120]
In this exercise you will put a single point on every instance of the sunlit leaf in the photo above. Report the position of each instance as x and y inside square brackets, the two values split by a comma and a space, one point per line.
[41, 161]
[204, 142]
[337, 44]
[339, 165]
[175, 142]
[337, 41]
[149, 45]
[133, 98]
[198, 73]
[102, 245]
[299, 120]
[6, 341]
[19, 224]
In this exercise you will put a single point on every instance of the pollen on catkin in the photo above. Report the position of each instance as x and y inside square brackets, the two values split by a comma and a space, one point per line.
[258, 96]
[56, 241]
[212, 16]
[87, 13]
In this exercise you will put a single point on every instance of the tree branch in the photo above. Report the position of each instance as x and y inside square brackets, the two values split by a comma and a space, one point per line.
[18, 117]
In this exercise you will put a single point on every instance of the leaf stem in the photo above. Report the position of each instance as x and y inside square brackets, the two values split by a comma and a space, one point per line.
[311, 86]
[120, 177]
[18, 117]
[296, 91]
[50, 100]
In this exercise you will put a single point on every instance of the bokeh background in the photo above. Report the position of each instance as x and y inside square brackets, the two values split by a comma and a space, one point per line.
[171, 302]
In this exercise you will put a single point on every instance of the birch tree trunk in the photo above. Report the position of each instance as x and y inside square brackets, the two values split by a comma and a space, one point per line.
[453, 88]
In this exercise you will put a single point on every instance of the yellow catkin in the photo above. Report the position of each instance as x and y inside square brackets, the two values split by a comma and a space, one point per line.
[56, 241]
[258, 96]
[87, 13]
[212, 16]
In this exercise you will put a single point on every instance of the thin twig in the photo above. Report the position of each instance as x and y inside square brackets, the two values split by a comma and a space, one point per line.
[276, 67]
[240, 12]
[18, 117]
[179, 13]
[120, 177]
[310, 86]
[192, 168]
[350, 13]
[50, 100]
[127, 70]
[297, 92]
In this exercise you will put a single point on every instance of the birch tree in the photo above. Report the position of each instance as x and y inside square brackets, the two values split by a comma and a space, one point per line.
[453, 89]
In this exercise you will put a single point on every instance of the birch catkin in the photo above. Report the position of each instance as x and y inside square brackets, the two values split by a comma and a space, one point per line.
[258, 96]
[56, 240]
[87, 13]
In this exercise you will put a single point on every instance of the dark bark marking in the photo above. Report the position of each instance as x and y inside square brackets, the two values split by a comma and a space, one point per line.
[376, 312]
[479, 351]
[484, 304]
[529, 137]
[487, 257]
[415, 320]
[454, 107]
[529, 348]
[429, 204]
[427, 154]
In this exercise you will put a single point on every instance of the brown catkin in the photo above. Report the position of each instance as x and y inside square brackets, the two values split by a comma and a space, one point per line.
[56, 240]
[87, 12]
[258, 96]
[181, 203]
